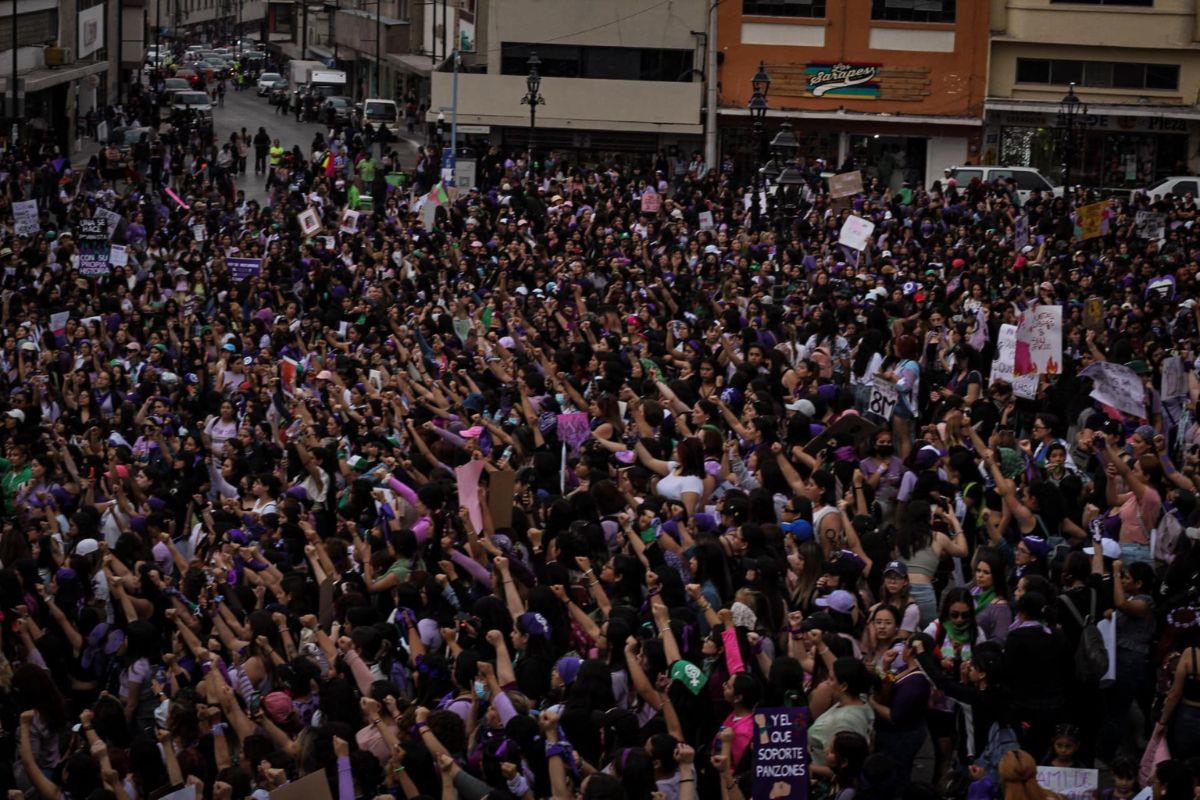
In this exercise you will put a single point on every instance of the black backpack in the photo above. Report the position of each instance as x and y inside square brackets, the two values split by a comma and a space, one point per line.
[1091, 654]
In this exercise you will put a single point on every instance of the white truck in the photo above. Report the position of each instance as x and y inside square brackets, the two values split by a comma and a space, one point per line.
[327, 82]
[299, 72]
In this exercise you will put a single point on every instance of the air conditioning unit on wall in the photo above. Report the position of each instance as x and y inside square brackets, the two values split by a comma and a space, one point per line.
[56, 56]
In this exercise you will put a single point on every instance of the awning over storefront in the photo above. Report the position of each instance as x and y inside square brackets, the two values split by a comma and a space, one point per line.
[410, 62]
[40, 79]
[1191, 113]
[858, 116]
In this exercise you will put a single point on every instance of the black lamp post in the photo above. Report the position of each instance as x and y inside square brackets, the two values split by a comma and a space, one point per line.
[1069, 110]
[784, 146]
[761, 84]
[533, 99]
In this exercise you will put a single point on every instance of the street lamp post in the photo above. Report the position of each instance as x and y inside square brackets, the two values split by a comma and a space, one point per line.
[533, 99]
[761, 84]
[1069, 109]
[784, 146]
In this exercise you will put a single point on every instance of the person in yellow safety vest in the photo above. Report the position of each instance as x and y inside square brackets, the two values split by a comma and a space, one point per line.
[276, 153]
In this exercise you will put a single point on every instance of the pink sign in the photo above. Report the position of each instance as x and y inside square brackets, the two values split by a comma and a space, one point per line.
[467, 478]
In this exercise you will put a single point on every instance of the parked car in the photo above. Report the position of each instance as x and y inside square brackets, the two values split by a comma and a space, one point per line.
[336, 108]
[1028, 179]
[269, 82]
[1176, 186]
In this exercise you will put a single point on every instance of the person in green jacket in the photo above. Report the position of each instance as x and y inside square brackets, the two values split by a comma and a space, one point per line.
[14, 471]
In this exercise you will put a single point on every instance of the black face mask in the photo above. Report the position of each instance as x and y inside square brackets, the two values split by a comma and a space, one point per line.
[884, 450]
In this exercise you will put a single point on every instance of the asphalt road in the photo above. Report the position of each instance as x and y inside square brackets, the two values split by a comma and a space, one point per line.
[247, 110]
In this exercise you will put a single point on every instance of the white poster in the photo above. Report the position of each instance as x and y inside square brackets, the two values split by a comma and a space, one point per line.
[855, 232]
[349, 222]
[1039, 342]
[118, 256]
[1118, 386]
[1002, 368]
[91, 30]
[884, 396]
[706, 220]
[1070, 782]
[25, 218]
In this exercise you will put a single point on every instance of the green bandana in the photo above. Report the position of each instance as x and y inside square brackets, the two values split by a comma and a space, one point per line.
[983, 599]
[691, 676]
[957, 631]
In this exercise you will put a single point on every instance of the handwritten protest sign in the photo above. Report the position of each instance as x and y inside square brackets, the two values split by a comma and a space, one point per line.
[1072, 783]
[1024, 386]
[1118, 386]
[112, 220]
[1039, 342]
[25, 218]
[884, 396]
[846, 184]
[651, 202]
[1151, 225]
[118, 255]
[780, 754]
[855, 232]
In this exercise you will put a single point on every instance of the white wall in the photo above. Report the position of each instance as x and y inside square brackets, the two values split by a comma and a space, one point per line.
[942, 152]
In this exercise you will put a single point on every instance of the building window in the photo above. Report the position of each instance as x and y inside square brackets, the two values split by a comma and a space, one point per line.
[913, 10]
[604, 63]
[34, 29]
[1141, 3]
[1099, 74]
[784, 8]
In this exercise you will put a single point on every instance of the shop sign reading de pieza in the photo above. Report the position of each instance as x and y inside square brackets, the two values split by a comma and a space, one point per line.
[841, 79]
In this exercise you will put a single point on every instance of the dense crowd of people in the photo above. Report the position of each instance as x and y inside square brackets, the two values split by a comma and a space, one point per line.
[545, 488]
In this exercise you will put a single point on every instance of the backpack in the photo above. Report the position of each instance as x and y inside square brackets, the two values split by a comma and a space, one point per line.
[1091, 655]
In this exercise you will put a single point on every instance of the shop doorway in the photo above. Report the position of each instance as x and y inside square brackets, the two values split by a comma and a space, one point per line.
[894, 160]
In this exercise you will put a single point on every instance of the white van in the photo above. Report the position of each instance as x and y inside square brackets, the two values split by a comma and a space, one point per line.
[382, 114]
[1027, 178]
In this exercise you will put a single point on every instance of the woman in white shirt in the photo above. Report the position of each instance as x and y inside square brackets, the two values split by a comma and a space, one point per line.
[682, 480]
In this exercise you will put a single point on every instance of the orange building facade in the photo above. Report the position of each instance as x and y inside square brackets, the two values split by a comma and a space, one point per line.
[893, 87]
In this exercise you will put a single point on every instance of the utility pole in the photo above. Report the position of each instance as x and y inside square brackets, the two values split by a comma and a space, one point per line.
[378, 27]
[304, 29]
[710, 121]
[16, 114]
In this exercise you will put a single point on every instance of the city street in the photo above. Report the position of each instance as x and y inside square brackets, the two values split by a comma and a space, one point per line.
[247, 110]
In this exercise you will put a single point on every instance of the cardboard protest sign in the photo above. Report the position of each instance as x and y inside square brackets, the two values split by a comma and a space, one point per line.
[846, 184]
[1093, 314]
[1091, 219]
[501, 486]
[312, 786]
[1118, 386]
[781, 758]
[858, 427]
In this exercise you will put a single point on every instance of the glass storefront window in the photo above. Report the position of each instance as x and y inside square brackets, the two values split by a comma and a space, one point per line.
[1103, 158]
[891, 159]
